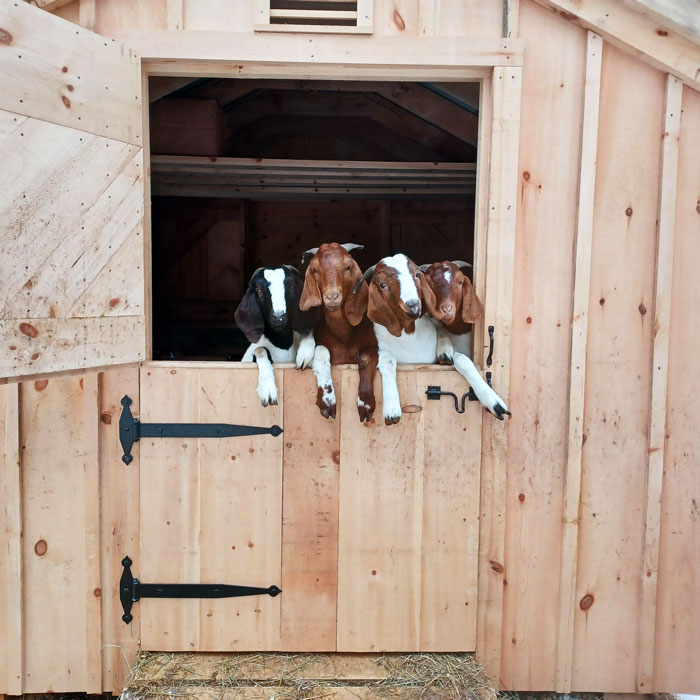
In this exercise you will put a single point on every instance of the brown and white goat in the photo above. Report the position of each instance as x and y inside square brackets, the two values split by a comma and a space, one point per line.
[344, 334]
[399, 295]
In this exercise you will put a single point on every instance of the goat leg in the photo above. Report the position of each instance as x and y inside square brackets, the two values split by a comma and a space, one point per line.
[490, 400]
[325, 396]
[445, 350]
[305, 350]
[267, 389]
[391, 402]
[367, 366]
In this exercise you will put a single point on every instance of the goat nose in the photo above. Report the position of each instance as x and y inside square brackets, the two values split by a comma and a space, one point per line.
[447, 309]
[332, 296]
[413, 306]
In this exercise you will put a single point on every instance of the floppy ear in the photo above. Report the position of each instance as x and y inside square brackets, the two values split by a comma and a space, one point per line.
[310, 295]
[428, 294]
[356, 301]
[380, 312]
[248, 316]
[472, 308]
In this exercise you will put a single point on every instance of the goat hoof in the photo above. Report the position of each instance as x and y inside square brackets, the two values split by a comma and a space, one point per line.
[392, 420]
[445, 359]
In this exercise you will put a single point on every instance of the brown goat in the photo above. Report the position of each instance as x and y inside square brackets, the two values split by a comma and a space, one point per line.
[455, 304]
[345, 334]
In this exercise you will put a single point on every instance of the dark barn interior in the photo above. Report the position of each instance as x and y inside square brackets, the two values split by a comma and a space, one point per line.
[246, 173]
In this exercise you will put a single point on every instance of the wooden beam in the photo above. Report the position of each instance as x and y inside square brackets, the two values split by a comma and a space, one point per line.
[680, 16]
[346, 51]
[579, 340]
[162, 86]
[49, 5]
[659, 381]
[634, 33]
[498, 309]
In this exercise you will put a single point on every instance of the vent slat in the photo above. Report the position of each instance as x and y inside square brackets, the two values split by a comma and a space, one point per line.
[313, 14]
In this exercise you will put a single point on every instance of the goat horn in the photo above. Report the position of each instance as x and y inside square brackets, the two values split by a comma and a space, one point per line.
[291, 267]
[461, 263]
[308, 254]
[367, 277]
[424, 268]
[349, 247]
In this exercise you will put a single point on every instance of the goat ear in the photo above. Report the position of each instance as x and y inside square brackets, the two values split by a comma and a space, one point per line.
[310, 295]
[356, 302]
[380, 312]
[248, 316]
[472, 308]
[428, 294]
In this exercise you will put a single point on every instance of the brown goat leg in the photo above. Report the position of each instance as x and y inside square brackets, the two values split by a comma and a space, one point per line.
[367, 365]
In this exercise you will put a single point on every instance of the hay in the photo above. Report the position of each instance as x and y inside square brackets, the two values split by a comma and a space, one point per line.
[426, 676]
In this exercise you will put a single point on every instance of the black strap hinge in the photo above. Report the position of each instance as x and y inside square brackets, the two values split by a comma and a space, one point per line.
[131, 590]
[131, 430]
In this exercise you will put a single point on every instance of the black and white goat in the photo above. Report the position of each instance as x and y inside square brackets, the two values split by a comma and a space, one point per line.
[399, 295]
[278, 331]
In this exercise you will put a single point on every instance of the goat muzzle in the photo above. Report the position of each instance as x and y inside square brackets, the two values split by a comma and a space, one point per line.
[412, 308]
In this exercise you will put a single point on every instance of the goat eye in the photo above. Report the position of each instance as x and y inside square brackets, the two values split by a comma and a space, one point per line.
[347, 269]
[382, 286]
[259, 292]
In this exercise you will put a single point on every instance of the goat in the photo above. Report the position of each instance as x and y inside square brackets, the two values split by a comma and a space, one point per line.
[344, 334]
[277, 329]
[398, 292]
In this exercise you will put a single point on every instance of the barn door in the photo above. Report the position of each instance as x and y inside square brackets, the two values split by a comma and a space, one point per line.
[71, 197]
[211, 510]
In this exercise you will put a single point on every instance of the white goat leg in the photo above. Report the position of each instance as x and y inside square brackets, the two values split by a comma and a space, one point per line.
[445, 349]
[267, 389]
[321, 366]
[305, 351]
[391, 402]
[486, 395]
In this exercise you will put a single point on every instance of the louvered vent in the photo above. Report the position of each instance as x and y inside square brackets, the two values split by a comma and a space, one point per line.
[338, 16]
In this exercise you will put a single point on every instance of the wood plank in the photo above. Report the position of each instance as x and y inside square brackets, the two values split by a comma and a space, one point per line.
[636, 34]
[119, 523]
[577, 367]
[386, 51]
[161, 87]
[450, 512]
[67, 75]
[11, 643]
[498, 299]
[618, 376]
[61, 344]
[60, 552]
[677, 614]
[380, 524]
[309, 518]
[678, 15]
[87, 14]
[543, 280]
[235, 481]
[659, 379]
[174, 15]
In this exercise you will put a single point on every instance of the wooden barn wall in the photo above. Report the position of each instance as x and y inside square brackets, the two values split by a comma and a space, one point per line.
[391, 17]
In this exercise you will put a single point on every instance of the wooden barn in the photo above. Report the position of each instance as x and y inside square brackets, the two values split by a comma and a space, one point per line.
[154, 153]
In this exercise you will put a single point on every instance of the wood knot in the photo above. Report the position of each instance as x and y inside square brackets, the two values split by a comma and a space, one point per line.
[97, 592]
[496, 566]
[336, 456]
[66, 101]
[106, 418]
[662, 32]
[398, 20]
[642, 309]
[629, 211]
[411, 408]
[5, 36]
[28, 330]
[41, 384]
[114, 302]
[40, 548]
[601, 301]
[521, 497]
[586, 601]
[528, 319]
[526, 175]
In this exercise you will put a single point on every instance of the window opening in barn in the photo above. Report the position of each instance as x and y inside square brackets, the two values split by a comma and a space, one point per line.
[250, 173]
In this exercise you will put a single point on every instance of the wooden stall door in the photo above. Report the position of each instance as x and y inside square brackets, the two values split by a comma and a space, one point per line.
[71, 197]
[211, 510]
[409, 520]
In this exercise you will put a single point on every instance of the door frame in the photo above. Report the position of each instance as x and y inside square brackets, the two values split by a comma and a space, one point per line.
[497, 66]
